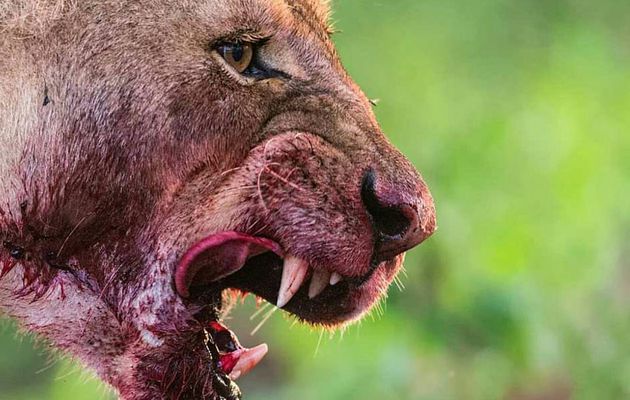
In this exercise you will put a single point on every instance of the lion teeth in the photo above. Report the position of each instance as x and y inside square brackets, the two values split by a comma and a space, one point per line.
[248, 360]
[319, 282]
[293, 274]
[335, 278]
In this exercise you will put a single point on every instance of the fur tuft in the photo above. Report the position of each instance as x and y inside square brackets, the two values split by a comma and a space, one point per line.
[30, 18]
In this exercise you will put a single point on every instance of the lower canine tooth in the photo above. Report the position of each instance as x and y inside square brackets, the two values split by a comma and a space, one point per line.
[293, 274]
[319, 282]
[248, 360]
[335, 278]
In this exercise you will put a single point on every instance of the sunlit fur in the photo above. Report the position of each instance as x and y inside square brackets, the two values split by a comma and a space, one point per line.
[125, 140]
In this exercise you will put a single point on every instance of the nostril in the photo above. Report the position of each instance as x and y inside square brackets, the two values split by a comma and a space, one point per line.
[391, 223]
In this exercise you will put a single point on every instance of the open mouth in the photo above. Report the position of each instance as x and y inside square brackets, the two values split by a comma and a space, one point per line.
[258, 265]
[324, 251]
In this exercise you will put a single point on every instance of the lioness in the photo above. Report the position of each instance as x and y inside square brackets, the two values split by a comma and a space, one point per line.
[157, 156]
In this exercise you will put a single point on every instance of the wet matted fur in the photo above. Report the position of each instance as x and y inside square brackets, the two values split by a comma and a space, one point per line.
[126, 139]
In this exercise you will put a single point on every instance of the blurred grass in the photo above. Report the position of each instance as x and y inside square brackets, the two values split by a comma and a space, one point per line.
[517, 114]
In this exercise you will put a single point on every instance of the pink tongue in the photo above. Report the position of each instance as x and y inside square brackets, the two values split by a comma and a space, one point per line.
[218, 256]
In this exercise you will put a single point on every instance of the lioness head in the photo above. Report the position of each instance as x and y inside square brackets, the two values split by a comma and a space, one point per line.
[158, 155]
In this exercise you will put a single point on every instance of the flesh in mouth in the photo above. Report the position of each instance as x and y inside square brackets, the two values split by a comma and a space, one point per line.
[230, 357]
[220, 255]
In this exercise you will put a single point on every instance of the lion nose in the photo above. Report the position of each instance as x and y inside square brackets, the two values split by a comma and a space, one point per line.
[400, 220]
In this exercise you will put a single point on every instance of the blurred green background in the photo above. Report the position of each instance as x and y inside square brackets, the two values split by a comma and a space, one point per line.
[517, 112]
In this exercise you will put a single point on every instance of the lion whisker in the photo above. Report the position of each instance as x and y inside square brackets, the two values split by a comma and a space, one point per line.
[399, 283]
[238, 188]
[72, 233]
[264, 320]
[319, 342]
[283, 179]
[259, 311]
[260, 194]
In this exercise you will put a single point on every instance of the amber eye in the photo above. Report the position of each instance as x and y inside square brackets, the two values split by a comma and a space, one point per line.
[238, 55]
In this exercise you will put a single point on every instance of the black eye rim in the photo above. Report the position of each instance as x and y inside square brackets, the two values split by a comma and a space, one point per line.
[257, 68]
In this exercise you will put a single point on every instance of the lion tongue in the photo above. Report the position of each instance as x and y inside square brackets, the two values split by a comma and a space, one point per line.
[218, 256]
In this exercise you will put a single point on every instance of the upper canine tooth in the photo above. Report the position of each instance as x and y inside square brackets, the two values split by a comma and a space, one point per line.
[319, 282]
[335, 278]
[293, 274]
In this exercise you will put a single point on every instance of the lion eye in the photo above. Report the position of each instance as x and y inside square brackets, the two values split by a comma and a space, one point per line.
[238, 55]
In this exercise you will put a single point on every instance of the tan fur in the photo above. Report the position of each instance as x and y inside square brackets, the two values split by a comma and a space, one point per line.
[31, 18]
[126, 139]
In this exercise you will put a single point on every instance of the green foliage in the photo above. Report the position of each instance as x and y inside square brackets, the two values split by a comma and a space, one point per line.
[516, 112]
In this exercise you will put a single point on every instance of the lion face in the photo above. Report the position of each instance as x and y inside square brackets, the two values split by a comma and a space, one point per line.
[172, 153]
